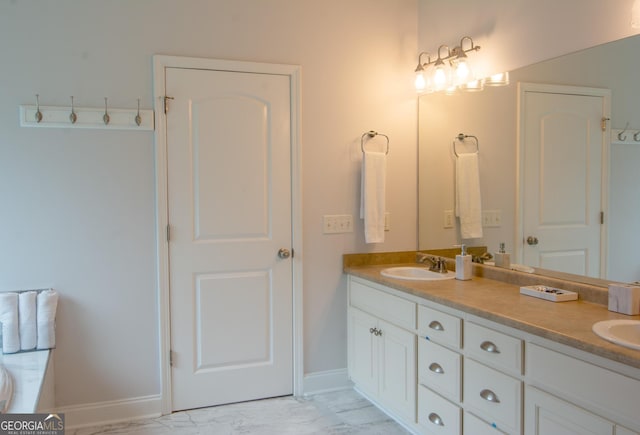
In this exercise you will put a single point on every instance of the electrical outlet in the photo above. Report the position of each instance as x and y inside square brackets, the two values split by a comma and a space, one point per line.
[338, 223]
[448, 219]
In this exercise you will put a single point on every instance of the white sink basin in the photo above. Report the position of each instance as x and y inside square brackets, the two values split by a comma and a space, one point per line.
[416, 273]
[623, 332]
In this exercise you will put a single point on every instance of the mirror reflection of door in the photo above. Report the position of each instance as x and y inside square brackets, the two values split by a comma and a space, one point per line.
[562, 173]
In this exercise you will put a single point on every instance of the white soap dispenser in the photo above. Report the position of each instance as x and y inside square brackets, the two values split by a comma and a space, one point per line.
[463, 265]
[502, 258]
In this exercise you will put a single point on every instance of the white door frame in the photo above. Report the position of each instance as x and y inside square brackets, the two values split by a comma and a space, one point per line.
[606, 147]
[160, 62]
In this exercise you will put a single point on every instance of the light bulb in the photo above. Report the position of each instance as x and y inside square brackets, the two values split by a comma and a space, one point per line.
[420, 82]
[463, 72]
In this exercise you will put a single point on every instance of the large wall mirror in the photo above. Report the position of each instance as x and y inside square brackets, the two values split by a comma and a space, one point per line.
[491, 116]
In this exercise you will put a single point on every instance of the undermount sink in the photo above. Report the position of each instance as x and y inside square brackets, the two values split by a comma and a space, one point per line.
[416, 273]
[623, 332]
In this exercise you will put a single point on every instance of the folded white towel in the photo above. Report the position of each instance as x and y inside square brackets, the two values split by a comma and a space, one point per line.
[10, 322]
[468, 202]
[372, 199]
[27, 316]
[47, 303]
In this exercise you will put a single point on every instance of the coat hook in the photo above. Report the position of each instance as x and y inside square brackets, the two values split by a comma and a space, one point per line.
[38, 114]
[636, 136]
[73, 117]
[106, 118]
[622, 138]
[138, 117]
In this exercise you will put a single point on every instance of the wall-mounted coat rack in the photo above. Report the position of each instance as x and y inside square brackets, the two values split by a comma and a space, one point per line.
[625, 135]
[86, 117]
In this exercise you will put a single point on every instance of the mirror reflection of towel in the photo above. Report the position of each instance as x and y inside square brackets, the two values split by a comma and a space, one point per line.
[468, 202]
[372, 199]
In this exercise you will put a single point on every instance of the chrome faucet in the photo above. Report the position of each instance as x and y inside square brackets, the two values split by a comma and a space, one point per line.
[436, 264]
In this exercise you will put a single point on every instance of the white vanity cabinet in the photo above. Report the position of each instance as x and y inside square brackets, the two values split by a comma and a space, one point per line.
[468, 375]
[382, 349]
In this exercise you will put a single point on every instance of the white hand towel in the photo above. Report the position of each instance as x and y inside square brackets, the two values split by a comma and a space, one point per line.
[372, 199]
[27, 316]
[47, 303]
[10, 322]
[468, 202]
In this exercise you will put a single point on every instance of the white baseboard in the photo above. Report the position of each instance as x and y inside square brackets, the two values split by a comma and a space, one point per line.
[329, 380]
[114, 411]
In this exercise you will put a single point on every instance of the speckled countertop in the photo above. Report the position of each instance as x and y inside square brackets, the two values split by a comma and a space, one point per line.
[568, 323]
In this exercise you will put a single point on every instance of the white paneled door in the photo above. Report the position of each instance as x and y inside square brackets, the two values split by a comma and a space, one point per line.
[229, 205]
[563, 150]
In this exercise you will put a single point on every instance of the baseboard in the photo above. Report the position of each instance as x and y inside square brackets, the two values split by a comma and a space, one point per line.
[329, 380]
[114, 411]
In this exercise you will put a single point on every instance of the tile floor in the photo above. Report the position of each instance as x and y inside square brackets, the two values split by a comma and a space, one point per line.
[336, 413]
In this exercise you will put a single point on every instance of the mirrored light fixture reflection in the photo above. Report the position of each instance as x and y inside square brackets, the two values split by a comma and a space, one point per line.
[452, 69]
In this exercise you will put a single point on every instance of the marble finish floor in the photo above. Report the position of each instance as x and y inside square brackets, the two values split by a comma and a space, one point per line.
[337, 413]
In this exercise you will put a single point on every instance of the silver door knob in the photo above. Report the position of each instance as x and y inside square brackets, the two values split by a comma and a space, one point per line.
[531, 240]
[284, 253]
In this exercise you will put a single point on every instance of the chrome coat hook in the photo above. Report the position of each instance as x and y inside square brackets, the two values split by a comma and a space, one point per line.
[38, 114]
[636, 136]
[106, 118]
[622, 138]
[138, 118]
[72, 116]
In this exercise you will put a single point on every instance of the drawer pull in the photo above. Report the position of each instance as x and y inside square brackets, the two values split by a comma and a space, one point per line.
[435, 419]
[489, 396]
[375, 331]
[372, 330]
[436, 368]
[489, 347]
[436, 325]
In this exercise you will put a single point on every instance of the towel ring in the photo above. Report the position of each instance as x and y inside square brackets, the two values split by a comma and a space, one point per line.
[461, 137]
[372, 134]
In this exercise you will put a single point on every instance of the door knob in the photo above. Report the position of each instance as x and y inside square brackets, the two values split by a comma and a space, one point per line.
[284, 253]
[532, 240]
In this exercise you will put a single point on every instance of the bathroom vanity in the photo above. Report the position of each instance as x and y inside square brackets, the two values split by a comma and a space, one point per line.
[477, 357]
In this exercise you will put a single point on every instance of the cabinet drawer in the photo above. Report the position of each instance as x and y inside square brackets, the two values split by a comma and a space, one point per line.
[493, 395]
[493, 348]
[585, 384]
[391, 308]
[439, 369]
[475, 426]
[436, 415]
[439, 327]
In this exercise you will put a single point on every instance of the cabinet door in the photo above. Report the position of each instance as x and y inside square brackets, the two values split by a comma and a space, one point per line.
[363, 351]
[546, 414]
[397, 370]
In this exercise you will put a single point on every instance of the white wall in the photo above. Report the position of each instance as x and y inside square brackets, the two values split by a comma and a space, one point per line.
[78, 206]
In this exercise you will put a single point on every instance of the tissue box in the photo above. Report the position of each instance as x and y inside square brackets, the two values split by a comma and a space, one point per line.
[624, 298]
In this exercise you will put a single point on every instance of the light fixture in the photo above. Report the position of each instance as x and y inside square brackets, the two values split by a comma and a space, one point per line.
[423, 82]
[500, 79]
[452, 69]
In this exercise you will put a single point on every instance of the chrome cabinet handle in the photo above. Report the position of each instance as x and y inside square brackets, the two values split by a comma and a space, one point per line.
[435, 419]
[489, 396]
[436, 325]
[375, 331]
[488, 346]
[436, 368]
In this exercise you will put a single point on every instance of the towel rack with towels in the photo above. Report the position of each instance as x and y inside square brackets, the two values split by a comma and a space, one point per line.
[461, 137]
[372, 134]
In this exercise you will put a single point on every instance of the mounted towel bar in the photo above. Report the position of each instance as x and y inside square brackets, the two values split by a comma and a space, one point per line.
[461, 137]
[372, 134]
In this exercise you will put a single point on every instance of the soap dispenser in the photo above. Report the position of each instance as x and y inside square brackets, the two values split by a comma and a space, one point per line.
[463, 265]
[502, 258]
